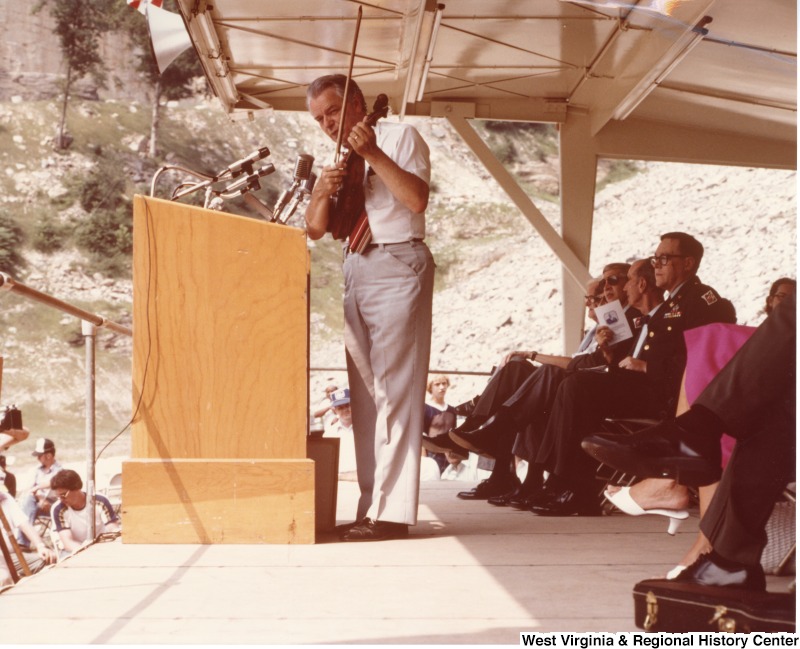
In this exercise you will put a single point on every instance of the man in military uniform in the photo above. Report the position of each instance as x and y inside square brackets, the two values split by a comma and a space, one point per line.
[644, 384]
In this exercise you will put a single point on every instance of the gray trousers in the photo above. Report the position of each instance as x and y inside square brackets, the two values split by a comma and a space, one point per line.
[388, 303]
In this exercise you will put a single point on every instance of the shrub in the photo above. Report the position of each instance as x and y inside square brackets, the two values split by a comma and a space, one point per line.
[49, 235]
[11, 240]
[107, 235]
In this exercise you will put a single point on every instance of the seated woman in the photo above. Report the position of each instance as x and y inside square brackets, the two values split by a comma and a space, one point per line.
[708, 349]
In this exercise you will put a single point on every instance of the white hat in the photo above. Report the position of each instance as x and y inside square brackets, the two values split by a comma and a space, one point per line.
[44, 445]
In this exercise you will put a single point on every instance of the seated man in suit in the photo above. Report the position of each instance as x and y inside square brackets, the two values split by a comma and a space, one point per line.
[753, 399]
[644, 384]
[495, 435]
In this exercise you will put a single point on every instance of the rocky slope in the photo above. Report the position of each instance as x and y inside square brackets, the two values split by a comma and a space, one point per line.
[499, 285]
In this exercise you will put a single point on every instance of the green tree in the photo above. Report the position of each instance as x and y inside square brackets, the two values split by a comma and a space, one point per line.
[79, 25]
[173, 83]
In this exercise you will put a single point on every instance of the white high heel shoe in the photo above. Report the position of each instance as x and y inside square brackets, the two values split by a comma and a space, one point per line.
[623, 501]
[675, 571]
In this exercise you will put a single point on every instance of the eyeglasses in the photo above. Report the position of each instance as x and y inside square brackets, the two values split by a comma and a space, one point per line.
[63, 496]
[593, 300]
[663, 259]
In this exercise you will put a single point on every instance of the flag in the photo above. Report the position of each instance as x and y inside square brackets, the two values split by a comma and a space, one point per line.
[141, 5]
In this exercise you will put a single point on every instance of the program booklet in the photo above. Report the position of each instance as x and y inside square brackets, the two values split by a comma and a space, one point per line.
[612, 315]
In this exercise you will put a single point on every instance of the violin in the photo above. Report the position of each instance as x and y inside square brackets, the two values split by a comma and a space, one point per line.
[347, 211]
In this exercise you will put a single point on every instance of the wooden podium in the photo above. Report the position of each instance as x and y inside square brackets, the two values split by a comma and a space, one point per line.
[220, 380]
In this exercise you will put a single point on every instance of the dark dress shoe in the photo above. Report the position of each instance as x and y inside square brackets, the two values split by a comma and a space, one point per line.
[528, 498]
[469, 424]
[503, 500]
[567, 503]
[482, 441]
[370, 530]
[712, 570]
[662, 451]
[487, 489]
[441, 444]
[341, 530]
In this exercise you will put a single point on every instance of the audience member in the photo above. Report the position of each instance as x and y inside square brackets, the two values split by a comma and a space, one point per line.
[17, 520]
[753, 398]
[9, 479]
[341, 427]
[457, 468]
[644, 384]
[71, 515]
[439, 416]
[37, 499]
[324, 410]
[779, 291]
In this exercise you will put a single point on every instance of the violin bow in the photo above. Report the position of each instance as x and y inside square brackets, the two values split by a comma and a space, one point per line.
[340, 134]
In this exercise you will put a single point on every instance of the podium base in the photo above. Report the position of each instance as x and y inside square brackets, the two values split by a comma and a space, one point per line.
[218, 501]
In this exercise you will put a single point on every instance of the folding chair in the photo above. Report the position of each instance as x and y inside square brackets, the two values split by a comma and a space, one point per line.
[9, 534]
[778, 557]
[114, 492]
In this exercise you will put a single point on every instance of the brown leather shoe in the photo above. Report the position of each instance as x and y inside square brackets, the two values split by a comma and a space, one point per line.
[370, 530]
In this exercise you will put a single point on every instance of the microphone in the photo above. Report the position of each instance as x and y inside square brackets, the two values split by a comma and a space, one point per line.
[246, 164]
[305, 189]
[302, 171]
[249, 182]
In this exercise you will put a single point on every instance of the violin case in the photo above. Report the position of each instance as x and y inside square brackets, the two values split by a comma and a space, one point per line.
[675, 607]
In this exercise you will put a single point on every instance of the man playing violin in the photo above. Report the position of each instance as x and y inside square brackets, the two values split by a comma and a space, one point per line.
[387, 301]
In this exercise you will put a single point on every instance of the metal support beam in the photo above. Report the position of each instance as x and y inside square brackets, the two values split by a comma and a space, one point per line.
[89, 331]
[651, 140]
[572, 263]
[578, 173]
[580, 180]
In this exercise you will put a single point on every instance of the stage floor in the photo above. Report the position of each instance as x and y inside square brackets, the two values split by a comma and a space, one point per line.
[470, 573]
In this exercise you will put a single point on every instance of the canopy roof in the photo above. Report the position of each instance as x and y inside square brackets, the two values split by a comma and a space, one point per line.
[704, 81]
[727, 66]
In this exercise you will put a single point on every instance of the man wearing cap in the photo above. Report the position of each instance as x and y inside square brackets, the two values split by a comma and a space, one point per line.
[341, 426]
[37, 499]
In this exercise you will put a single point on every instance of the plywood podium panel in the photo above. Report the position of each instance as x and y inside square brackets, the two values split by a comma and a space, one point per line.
[220, 332]
[218, 501]
[220, 380]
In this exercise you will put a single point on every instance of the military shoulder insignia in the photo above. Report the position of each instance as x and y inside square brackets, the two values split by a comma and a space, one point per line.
[709, 297]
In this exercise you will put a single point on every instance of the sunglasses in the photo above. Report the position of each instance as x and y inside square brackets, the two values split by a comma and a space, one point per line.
[64, 495]
[612, 280]
[593, 300]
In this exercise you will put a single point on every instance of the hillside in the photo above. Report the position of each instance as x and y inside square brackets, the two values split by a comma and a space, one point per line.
[498, 286]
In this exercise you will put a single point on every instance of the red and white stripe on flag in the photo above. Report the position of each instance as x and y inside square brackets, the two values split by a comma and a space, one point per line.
[139, 5]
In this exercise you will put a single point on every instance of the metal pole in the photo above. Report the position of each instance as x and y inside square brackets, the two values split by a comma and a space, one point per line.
[89, 331]
[9, 284]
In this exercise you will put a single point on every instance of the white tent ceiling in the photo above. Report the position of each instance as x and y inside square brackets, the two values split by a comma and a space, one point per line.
[706, 81]
[723, 65]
